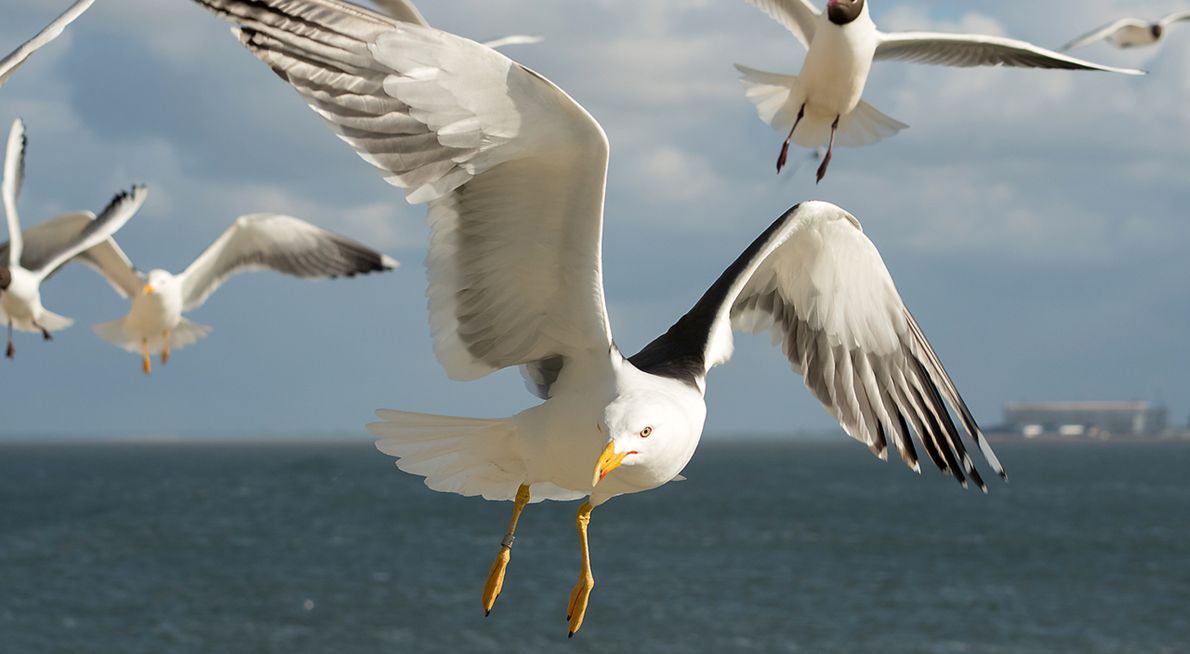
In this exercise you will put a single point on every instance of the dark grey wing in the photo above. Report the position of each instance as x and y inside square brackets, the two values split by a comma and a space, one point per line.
[965, 50]
[820, 287]
[281, 243]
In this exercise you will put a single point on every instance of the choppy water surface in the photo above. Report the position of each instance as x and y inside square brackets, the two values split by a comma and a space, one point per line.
[774, 548]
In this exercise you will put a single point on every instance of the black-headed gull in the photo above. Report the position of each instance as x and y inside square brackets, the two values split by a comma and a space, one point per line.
[514, 172]
[1130, 32]
[155, 324]
[50, 246]
[822, 104]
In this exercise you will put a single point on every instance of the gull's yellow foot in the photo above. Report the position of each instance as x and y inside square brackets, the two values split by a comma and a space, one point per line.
[579, 597]
[495, 582]
[165, 349]
[146, 364]
[491, 590]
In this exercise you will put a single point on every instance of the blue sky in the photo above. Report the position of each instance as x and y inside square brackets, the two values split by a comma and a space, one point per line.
[1034, 221]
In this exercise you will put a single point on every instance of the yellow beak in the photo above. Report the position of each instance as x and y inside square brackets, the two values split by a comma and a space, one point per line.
[148, 289]
[608, 461]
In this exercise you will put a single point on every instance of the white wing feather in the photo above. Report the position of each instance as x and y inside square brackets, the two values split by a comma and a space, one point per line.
[965, 50]
[14, 178]
[512, 167]
[798, 16]
[406, 12]
[51, 32]
[402, 10]
[1175, 17]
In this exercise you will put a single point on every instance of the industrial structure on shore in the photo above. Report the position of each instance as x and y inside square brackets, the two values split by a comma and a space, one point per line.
[1097, 420]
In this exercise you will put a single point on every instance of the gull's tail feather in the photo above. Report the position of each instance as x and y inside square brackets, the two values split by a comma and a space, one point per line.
[778, 98]
[468, 456]
[866, 125]
[119, 334]
[52, 322]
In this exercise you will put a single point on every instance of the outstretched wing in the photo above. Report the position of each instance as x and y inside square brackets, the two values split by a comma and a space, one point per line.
[118, 212]
[798, 16]
[816, 282]
[965, 50]
[1100, 33]
[51, 32]
[14, 178]
[1175, 17]
[45, 239]
[268, 241]
[512, 167]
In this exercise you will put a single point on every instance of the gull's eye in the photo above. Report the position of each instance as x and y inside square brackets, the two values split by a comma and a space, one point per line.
[646, 432]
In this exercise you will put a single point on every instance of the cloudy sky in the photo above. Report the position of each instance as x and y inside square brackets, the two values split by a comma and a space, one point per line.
[1035, 221]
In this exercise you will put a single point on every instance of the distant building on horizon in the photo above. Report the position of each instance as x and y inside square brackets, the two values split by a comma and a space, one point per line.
[1085, 419]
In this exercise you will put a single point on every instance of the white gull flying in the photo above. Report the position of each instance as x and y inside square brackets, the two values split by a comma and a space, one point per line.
[822, 104]
[1130, 32]
[514, 171]
[155, 324]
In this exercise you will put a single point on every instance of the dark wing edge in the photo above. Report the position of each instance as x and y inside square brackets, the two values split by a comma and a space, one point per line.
[875, 396]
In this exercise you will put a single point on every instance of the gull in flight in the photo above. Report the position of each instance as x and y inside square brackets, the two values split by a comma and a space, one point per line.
[1130, 32]
[51, 32]
[50, 246]
[406, 12]
[822, 104]
[514, 172]
[267, 241]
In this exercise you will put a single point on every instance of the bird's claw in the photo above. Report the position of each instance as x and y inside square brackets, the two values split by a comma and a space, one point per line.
[826, 162]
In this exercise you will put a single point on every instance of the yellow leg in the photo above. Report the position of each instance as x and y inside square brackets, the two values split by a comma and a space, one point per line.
[145, 363]
[165, 348]
[586, 581]
[491, 589]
